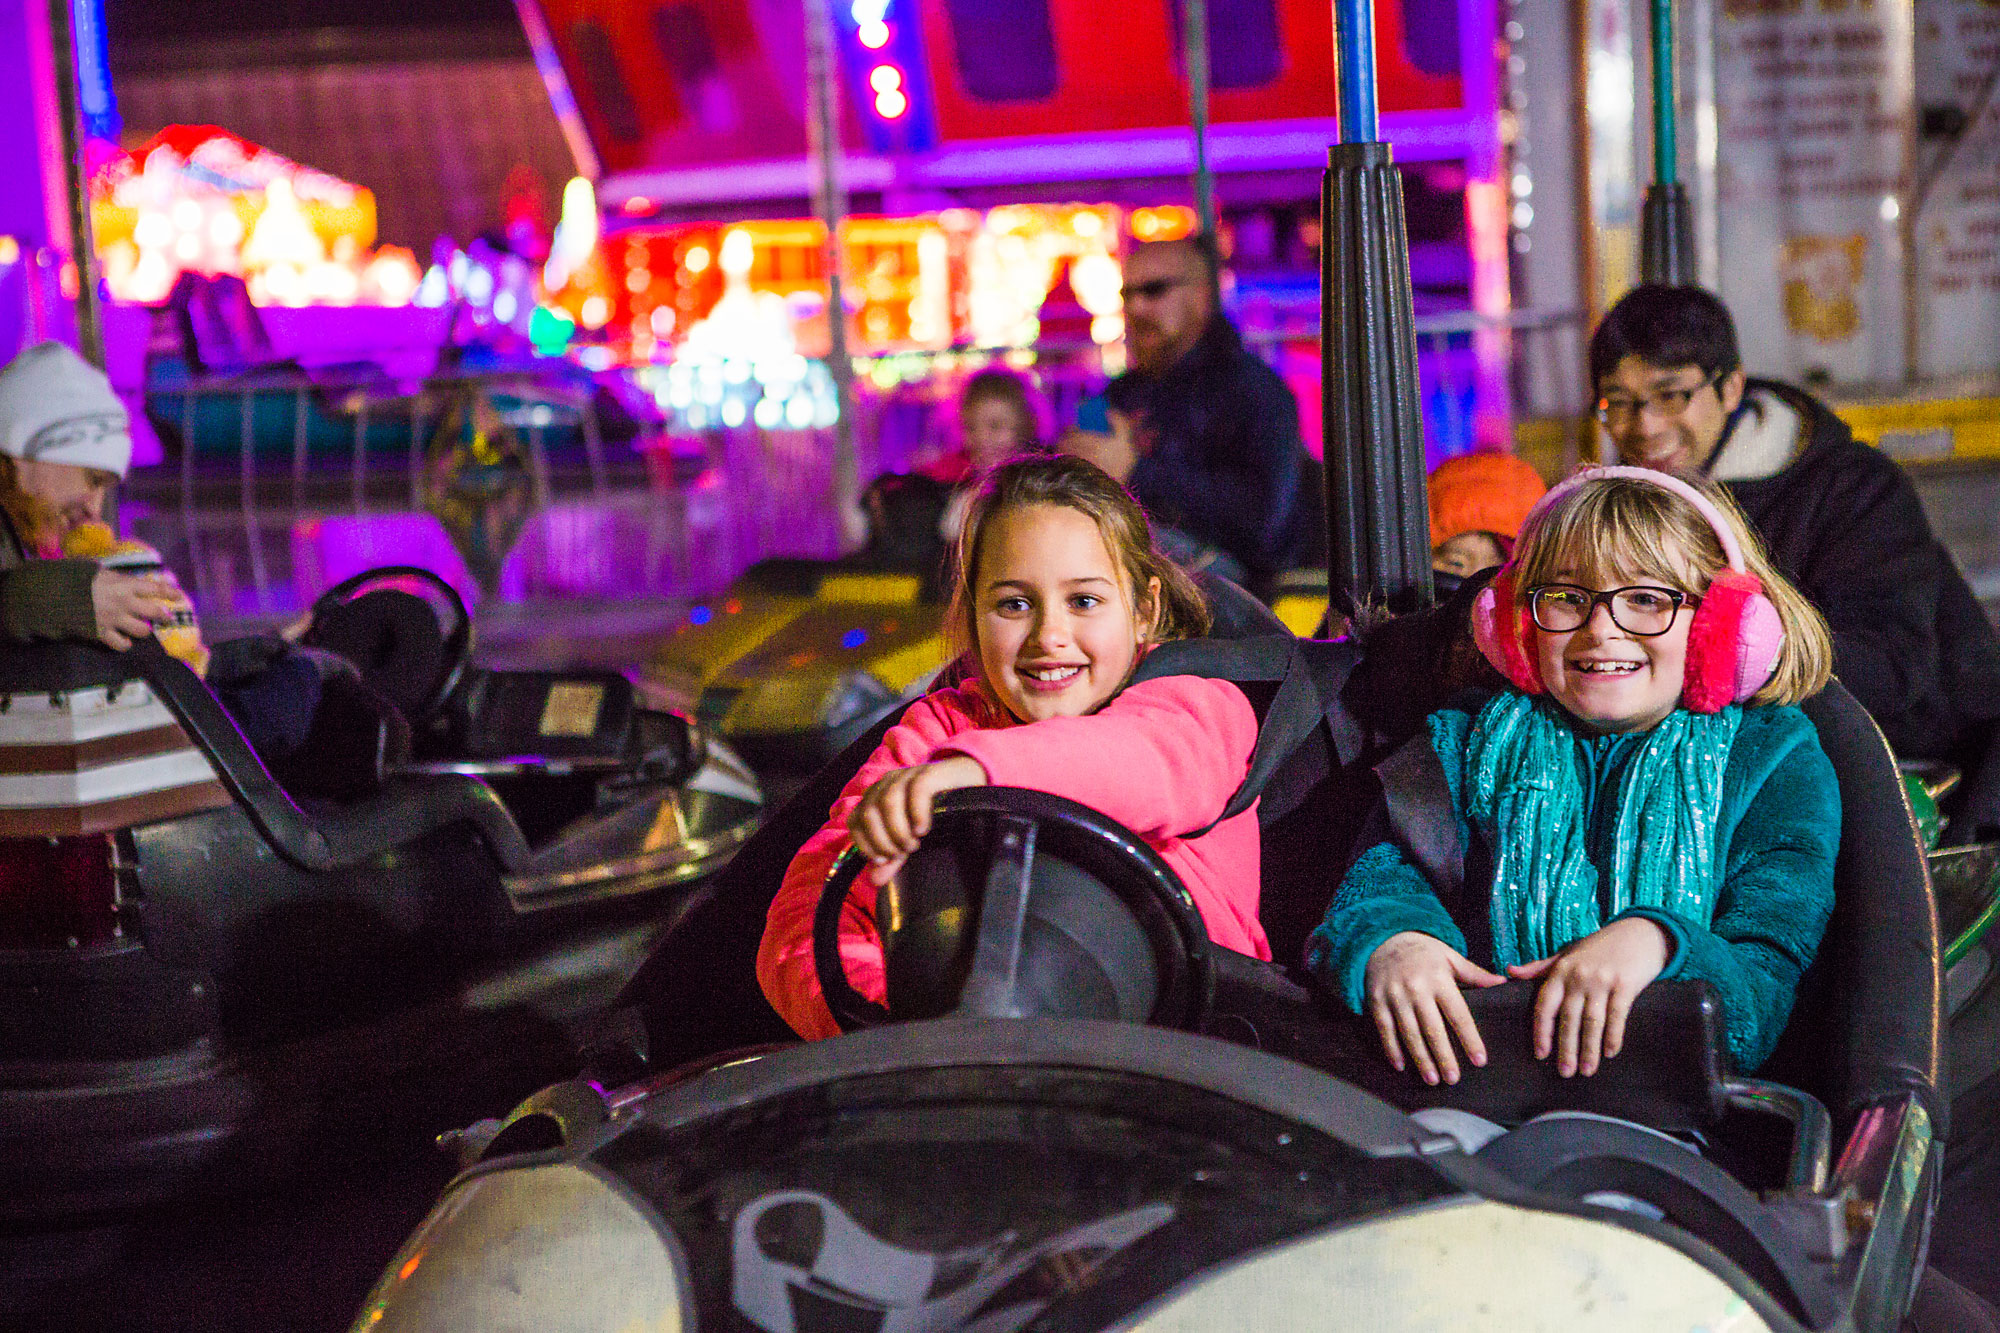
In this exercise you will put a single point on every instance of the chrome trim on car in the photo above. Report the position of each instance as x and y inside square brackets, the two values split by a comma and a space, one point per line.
[1883, 1176]
[631, 875]
[1812, 1127]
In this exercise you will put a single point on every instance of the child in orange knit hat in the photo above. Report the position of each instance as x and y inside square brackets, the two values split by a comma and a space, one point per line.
[1478, 501]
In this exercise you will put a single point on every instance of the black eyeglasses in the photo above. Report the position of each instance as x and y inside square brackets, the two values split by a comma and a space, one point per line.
[1637, 609]
[1151, 291]
[1616, 407]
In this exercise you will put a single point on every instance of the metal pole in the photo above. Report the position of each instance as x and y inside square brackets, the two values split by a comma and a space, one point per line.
[83, 251]
[1354, 61]
[1666, 226]
[1194, 38]
[1666, 152]
[1378, 521]
[830, 203]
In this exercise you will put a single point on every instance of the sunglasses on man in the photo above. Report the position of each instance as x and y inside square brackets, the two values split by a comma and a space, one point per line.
[1151, 291]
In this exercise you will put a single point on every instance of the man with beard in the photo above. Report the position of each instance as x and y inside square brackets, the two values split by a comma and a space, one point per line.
[1840, 519]
[1204, 433]
[64, 440]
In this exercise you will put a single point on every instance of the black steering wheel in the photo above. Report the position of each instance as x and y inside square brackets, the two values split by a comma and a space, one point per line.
[412, 650]
[1022, 904]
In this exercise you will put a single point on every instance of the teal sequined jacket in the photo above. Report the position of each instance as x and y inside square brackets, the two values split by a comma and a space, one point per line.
[1778, 836]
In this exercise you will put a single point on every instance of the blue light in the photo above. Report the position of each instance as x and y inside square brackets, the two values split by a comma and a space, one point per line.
[95, 97]
[700, 615]
[854, 638]
[880, 39]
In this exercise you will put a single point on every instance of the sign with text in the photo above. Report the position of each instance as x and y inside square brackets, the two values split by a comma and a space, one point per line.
[1815, 107]
[1958, 218]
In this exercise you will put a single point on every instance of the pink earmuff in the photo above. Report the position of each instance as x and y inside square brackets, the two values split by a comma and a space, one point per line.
[1733, 640]
[1501, 626]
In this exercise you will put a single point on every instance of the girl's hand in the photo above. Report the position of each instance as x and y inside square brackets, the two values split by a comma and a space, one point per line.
[895, 813]
[1413, 983]
[1588, 991]
[129, 606]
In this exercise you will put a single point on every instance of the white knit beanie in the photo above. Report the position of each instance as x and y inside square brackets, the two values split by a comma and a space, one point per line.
[55, 407]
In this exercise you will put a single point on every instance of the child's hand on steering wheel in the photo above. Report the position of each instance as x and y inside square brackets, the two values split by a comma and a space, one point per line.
[1588, 991]
[1413, 984]
[895, 813]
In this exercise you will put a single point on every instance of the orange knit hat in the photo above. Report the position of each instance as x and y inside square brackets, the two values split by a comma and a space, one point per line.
[1486, 491]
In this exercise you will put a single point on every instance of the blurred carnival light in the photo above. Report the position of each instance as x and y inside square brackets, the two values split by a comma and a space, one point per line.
[198, 199]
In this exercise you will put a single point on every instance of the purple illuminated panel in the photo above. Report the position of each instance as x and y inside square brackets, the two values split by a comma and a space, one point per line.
[327, 550]
[1005, 49]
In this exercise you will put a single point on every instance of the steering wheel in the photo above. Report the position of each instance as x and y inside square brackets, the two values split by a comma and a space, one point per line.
[412, 650]
[1022, 904]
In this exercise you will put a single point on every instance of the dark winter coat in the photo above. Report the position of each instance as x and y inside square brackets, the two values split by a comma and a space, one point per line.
[43, 599]
[1224, 460]
[1843, 522]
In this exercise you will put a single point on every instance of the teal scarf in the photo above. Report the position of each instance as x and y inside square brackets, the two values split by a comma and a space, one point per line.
[1524, 787]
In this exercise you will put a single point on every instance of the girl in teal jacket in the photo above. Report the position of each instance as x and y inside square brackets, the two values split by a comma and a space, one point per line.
[1643, 801]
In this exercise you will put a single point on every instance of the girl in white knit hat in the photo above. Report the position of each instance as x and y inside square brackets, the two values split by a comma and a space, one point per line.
[64, 439]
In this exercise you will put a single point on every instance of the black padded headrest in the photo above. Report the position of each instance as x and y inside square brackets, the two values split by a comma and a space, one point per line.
[394, 640]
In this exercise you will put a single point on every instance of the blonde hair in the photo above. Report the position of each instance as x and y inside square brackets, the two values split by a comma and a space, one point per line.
[1179, 612]
[1626, 529]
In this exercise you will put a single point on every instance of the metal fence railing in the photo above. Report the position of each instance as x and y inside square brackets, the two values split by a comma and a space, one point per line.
[278, 481]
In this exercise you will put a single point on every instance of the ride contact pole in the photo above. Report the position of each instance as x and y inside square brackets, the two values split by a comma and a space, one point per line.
[1666, 224]
[83, 249]
[830, 202]
[1378, 519]
[1194, 38]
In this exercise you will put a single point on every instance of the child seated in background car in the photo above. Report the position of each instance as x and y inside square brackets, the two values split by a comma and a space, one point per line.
[996, 420]
[1057, 593]
[1642, 800]
[1477, 502]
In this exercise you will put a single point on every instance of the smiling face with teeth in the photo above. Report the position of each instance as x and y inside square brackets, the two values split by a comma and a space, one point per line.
[1606, 678]
[1059, 626]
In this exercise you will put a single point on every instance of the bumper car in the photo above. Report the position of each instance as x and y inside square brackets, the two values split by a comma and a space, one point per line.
[223, 394]
[799, 657]
[1074, 1112]
[197, 958]
[1966, 877]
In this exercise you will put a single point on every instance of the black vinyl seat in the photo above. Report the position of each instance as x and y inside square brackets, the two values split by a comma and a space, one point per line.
[1866, 1026]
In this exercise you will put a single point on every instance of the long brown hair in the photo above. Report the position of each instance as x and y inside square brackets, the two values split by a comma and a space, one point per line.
[34, 522]
[1620, 528]
[1071, 483]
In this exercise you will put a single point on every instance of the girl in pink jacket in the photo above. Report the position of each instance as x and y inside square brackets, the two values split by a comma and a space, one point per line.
[1057, 594]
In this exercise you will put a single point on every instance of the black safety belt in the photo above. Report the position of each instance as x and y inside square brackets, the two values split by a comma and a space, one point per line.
[1308, 676]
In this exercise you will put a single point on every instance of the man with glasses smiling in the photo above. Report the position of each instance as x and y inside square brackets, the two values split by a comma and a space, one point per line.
[1202, 431]
[1839, 518]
